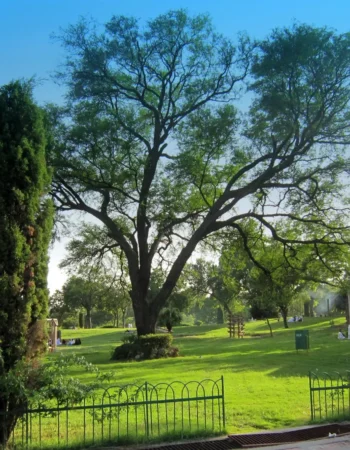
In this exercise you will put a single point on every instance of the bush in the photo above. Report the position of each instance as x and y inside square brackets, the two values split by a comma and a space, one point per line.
[129, 338]
[173, 352]
[124, 351]
[151, 346]
[198, 323]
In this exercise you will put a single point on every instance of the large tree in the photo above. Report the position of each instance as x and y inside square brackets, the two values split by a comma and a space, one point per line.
[25, 233]
[155, 151]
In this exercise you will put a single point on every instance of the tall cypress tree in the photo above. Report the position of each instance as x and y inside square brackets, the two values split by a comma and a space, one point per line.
[25, 232]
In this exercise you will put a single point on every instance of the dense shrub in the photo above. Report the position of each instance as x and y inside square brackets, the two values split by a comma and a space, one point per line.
[198, 323]
[125, 351]
[152, 346]
[129, 338]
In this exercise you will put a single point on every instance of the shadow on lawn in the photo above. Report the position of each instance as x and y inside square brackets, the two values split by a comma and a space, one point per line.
[276, 356]
[201, 352]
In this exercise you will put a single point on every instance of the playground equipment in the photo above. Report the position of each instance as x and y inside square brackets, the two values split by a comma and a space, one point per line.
[235, 321]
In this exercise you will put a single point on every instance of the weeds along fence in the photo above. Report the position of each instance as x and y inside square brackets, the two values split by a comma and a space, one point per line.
[124, 414]
[329, 395]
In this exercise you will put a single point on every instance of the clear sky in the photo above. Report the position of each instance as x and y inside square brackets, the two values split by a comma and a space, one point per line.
[27, 50]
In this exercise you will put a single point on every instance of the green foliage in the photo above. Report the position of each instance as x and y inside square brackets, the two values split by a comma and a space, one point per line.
[169, 317]
[300, 62]
[152, 346]
[134, 90]
[89, 289]
[26, 219]
[37, 382]
[222, 284]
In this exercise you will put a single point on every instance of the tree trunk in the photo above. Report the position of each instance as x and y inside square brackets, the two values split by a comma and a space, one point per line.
[284, 312]
[117, 318]
[348, 308]
[269, 325]
[123, 317]
[9, 420]
[312, 314]
[145, 317]
[88, 323]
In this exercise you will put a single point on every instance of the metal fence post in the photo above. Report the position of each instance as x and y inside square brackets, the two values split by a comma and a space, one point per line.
[147, 411]
[311, 398]
[223, 402]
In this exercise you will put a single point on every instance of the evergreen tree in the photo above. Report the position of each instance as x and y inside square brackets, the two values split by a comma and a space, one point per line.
[25, 232]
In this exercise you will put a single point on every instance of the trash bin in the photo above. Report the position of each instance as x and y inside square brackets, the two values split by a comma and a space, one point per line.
[302, 340]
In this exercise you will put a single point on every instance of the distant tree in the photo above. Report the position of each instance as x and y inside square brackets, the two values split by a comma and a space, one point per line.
[273, 276]
[219, 316]
[222, 282]
[84, 290]
[57, 306]
[94, 250]
[169, 317]
[116, 300]
[280, 279]
[26, 217]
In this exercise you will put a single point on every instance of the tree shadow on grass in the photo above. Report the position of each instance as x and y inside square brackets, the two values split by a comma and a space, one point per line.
[277, 356]
[202, 355]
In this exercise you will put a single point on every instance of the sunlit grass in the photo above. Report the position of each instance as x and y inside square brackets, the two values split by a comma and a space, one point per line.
[266, 380]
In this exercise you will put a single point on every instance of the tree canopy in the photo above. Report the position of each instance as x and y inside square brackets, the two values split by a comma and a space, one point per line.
[153, 146]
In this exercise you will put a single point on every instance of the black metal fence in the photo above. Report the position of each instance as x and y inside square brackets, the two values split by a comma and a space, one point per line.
[329, 395]
[124, 414]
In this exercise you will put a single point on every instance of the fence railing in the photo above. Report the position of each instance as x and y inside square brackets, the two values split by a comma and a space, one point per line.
[124, 414]
[329, 395]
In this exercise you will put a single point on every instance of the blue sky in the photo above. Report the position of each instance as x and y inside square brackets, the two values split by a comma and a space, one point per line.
[26, 49]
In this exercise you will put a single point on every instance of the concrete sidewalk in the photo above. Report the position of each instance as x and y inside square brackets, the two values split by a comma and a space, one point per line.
[340, 442]
[335, 443]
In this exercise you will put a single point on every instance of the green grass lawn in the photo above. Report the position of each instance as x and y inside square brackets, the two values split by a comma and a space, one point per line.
[266, 380]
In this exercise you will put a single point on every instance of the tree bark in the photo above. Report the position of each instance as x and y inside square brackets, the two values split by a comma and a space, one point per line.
[146, 316]
[269, 325]
[123, 317]
[312, 314]
[9, 420]
[88, 323]
[307, 309]
[284, 312]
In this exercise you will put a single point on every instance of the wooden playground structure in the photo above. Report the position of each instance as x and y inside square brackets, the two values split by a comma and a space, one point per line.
[235, 323]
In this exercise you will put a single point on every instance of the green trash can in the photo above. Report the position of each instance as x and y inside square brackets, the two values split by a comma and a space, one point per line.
[302, 340]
